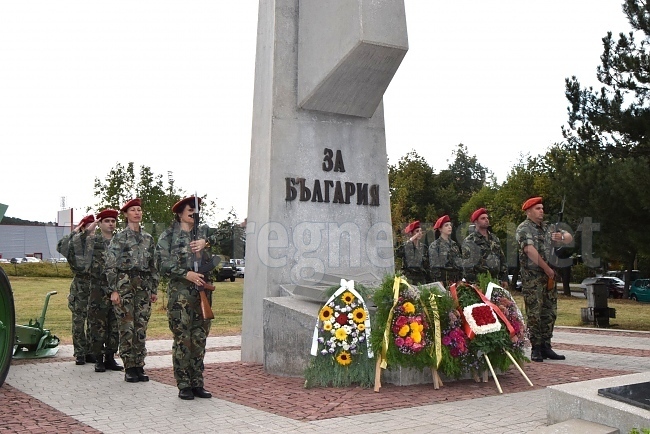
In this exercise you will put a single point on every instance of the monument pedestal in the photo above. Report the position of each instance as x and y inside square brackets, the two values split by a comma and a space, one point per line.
[581, 401]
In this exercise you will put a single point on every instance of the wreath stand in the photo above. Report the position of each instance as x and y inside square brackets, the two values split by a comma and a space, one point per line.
[494, 375]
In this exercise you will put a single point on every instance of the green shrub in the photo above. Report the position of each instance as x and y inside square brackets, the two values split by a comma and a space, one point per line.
[38, 269]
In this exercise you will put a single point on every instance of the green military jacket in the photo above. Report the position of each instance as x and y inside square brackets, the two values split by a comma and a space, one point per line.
[173, 252]
[132, 252]
[482, 255]
[73, 246]
[539, 236]
[98, 245]
[444, 260]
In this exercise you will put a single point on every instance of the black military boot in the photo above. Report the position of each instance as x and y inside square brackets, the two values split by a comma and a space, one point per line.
[111, 364]
[99, 364]
[200, 392]
[141, 375]
[536, 354]
[186, 393]
[80, 360]
[131, 375]
[548, 353]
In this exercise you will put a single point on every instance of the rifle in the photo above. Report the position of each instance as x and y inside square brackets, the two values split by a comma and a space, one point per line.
[556, 250]
[206, 309]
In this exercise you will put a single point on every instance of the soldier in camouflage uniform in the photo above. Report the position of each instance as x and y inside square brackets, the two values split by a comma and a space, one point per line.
[73, 247]
[414, 253]
[133, 280]
[535, 240]
[482, 253]
[177, 252]
[444, 254]
[103, 333]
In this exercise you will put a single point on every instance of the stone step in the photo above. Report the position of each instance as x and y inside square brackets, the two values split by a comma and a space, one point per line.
[577, 426]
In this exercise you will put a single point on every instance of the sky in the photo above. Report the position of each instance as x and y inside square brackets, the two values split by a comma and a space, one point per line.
[85, 85]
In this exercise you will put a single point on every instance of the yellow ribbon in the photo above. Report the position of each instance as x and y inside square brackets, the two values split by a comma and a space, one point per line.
[436, 328]
[387, 329]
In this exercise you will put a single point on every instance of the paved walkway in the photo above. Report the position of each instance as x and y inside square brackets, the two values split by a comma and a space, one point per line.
[54, 395]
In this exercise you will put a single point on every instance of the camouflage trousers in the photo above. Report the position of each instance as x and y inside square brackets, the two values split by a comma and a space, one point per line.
[78, 305]
[541, 307]
[190, 332]
[103, 331]
[133, 315]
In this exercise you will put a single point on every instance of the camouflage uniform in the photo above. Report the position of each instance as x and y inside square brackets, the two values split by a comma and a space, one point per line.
[189, 328]
[131, 271]
[103, 327]
[73, 247]
[483, 255]
[541, 303]
[415, 262]
[444, 259]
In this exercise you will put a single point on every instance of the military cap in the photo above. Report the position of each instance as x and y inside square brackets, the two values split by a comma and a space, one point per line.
[441, 221]
[129, 204]
[478, 213]
[180, 205]
[531, 203]
[108, 213]
[411, 227]
[88, 219]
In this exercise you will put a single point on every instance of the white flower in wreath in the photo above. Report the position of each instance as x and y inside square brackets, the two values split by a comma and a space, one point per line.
[481, 319]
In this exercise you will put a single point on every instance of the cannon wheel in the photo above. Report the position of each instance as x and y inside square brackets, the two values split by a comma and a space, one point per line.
[7, 325]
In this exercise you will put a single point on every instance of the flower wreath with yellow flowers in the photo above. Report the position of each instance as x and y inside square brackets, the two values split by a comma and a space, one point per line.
[340, 343]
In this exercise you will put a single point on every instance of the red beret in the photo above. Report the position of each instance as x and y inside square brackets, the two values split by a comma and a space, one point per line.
[531, 202]
[476, 214]
[441, 221]
[413, 226]
[180, 205]
[108, 213]
[129, 204]
[88, 219]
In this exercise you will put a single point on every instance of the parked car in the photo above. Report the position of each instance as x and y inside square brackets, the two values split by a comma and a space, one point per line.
[4, 261]
[225, 270]
[31, 259]
[640, 290]
[18, 260]
[615, 286]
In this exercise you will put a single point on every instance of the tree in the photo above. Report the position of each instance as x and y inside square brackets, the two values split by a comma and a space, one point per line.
[615, 121]
[608, 134]
[231, 237]
[411, 195]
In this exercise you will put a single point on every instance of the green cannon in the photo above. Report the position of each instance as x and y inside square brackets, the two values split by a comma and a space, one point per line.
[33, 341]
[7, 325]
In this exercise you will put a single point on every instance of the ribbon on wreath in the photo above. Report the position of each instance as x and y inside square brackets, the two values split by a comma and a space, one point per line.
[346, 285]
[436, 328]
[468, 331]
[387, 330]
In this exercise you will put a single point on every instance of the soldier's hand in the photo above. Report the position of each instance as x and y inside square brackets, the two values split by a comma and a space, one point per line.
[154, 297]
[115, 298]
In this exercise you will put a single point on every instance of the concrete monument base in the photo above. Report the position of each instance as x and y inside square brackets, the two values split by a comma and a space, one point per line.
[581, 401]
[288, 331]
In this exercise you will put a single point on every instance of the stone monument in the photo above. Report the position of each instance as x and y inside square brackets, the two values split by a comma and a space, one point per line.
[318, 204]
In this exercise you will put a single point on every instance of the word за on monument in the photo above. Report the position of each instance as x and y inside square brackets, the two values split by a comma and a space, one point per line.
[339, 192]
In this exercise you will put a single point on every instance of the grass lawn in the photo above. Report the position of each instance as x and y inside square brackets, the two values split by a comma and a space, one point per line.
[29, 295]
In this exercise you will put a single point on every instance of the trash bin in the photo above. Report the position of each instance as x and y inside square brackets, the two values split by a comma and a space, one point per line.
[597, 312]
